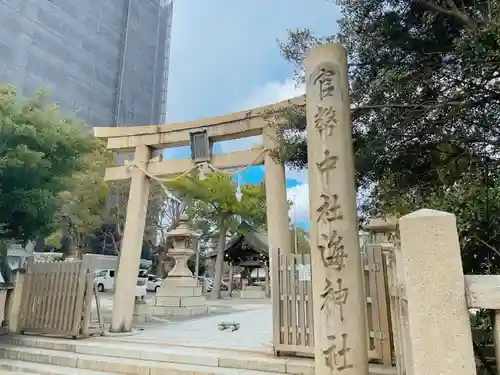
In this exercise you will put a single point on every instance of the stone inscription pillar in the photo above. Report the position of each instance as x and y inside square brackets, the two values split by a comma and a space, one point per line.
[276, 201]
[133, 233]
[337, 277]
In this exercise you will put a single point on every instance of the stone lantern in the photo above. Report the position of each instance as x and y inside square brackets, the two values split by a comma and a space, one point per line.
[180, 294]
[182, 238]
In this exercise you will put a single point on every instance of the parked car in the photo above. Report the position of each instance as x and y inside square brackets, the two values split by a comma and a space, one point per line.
[209, 282]
[154, 283]
[105, 281]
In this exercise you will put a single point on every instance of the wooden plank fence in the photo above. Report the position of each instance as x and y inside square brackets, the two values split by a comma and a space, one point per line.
[292, 305]
[380, 343]
[57, 299]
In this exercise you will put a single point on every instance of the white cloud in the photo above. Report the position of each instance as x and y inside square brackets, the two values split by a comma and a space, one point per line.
[270, 93]
[299, 195]
[299, 175]
[212, 69]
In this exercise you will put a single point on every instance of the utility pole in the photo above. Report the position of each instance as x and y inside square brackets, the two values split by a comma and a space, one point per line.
[294, 214]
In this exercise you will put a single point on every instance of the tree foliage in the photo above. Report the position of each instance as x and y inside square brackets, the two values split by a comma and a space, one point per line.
[213, 201]
[83, 205]
[425, 108]
[39, 150]
[300, 241]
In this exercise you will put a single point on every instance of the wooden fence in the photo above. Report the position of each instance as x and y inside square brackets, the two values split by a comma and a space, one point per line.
[57, 299]
[380, 342]
[292, 305]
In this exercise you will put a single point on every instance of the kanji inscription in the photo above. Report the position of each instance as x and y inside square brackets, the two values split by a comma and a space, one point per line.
[325, 121]
[324, 79]
[326, 165]
[336, 296]
[336, 356]
[337, 277]
[329, 209]
[332, 250]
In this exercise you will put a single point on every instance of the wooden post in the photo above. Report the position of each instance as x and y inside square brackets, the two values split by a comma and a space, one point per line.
[231, 280]
[15, 311]
[337, 276]
[266, 278]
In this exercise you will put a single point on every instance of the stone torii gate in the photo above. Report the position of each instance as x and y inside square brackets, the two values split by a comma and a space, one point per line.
[142, 140]
[337, 278]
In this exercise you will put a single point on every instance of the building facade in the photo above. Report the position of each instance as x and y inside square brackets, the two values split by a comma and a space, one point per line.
[106, 60]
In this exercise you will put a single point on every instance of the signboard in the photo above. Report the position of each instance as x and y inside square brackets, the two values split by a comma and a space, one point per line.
[304, 272]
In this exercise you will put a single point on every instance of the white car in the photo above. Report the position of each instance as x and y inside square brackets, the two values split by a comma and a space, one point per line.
[105, 281]
[154, 283]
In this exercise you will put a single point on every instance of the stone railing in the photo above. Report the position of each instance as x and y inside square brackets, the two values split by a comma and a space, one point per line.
[430, 297]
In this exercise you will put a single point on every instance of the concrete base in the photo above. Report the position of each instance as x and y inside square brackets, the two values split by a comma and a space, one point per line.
[142, 313]
[179, 310]
[179, 296]
[253, 292]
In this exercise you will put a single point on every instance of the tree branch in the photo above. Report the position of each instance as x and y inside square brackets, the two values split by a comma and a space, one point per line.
[454, 12]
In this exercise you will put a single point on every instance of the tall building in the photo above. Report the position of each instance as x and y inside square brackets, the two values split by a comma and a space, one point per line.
[107, 60]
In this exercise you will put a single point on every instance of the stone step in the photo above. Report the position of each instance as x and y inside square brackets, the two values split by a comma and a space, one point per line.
[115, 365]
[19, 367]
[160, 354]
[242, 360]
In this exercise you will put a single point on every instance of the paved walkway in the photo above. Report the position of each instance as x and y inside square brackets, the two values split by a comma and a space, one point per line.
[255, 333]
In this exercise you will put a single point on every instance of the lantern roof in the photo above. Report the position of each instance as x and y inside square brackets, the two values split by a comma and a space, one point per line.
[182, 230]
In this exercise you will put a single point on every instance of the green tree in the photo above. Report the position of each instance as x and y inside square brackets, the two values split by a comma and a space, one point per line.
[425, 103]
[39, 150]
[422, 75]
[425, 110]
[83, 205]
[216, 204]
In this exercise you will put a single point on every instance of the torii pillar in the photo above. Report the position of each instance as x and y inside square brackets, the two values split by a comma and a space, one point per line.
[133, 234]
[277, 204]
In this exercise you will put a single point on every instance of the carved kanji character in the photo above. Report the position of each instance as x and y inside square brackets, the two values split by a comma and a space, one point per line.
[329, 209]
[326, 165]
[325, 121]
[325, 80]
[336, 358]
[337, 296]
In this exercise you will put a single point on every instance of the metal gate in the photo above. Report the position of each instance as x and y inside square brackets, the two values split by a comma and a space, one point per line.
[57, 299]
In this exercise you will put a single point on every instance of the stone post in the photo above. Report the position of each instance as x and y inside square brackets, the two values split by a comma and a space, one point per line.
[337, 277]
[276, 200]
[130, 254]
[438, 319]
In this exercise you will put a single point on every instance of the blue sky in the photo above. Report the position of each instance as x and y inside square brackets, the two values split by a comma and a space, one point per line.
[225, 58]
